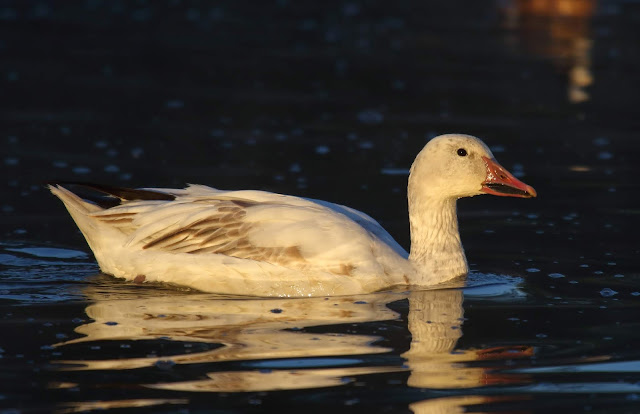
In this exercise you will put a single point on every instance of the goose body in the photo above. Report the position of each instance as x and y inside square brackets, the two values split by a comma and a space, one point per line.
[265, 244]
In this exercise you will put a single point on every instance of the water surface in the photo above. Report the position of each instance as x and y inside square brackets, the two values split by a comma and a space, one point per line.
[329, 101]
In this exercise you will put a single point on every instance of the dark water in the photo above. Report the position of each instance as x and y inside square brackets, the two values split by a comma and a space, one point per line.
[330, 100]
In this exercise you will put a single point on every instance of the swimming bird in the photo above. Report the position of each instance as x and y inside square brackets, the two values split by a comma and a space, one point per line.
[259, 243]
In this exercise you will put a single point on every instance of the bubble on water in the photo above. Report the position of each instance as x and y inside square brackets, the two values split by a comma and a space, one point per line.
[370, 116]
[81, 170]
[635, 293]
[532, 216]
[165, 364]
[352, 401]
[11, 161]
[607, 292]
[351, 9]
[556, 275]
[308, 25]
[398, 85]
[254, 401]
[7, 13]
[295, 168]
[174, 104]
[192, 14]
[137, 152]
[332, 35]
[102, 144]
[618, 275]
[533, 270]
[60, 164]
[40, 11]
[541, 335]
[573, 282]
[7, 209]
[217, 133]
[322, 149]
[605, 155]
[341, 66]
[584, 265]
[394, 171]
[517, 167]
[111, 168]
[601, 142]
[281, 136]
[365, 145]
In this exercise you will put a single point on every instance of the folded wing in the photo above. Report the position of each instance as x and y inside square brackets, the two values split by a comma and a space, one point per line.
[281, 230]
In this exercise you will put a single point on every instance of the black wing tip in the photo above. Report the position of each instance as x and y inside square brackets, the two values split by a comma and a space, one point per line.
[123, 193]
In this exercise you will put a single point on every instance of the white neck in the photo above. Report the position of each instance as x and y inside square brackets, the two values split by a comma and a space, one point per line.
[436, 249]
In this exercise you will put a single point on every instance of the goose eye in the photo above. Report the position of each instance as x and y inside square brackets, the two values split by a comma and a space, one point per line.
[462, 152]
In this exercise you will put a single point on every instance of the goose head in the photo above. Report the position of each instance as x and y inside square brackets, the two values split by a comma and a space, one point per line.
[452, 166]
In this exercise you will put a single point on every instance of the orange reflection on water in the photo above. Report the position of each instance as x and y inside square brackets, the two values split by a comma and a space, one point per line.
[560, 30]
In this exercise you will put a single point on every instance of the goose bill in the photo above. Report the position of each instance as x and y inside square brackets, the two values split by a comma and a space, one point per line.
[501, 182]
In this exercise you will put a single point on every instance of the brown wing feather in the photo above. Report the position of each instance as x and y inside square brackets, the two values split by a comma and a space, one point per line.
[223, 231]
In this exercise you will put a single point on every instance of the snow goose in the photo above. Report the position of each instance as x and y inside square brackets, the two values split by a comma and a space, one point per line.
[265, 244]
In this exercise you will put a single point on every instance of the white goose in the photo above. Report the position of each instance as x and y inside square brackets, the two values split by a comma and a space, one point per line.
[264, 244]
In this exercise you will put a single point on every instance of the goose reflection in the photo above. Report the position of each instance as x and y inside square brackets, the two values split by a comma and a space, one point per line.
[272, 342]
[240, 329]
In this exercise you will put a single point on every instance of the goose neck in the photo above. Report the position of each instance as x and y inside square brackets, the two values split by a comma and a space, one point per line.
[436, 249]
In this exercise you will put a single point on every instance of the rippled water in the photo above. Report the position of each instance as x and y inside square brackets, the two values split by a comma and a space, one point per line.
[330, 101]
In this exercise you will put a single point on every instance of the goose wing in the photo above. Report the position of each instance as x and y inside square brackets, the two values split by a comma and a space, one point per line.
[256, 225]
